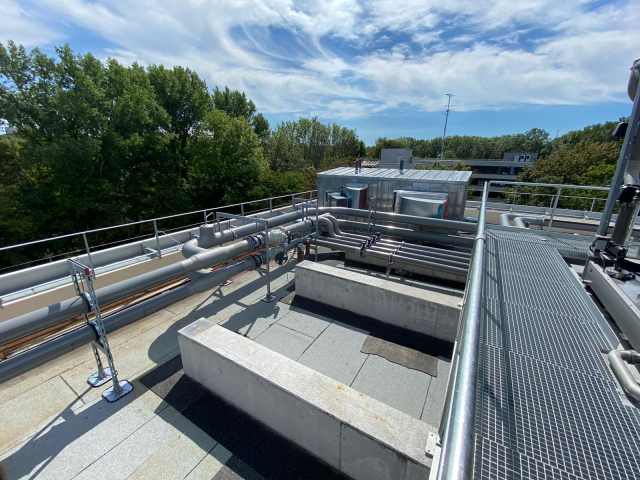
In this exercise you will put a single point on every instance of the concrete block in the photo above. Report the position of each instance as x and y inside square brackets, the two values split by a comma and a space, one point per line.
[428, 312]
[345, 428]
[397, 386]
[285, 341]
[363, 457]
[336, 353]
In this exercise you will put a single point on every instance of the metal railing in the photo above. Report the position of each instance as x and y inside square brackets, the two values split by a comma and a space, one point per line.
[556, 197]
[458, 418]
[207, 212]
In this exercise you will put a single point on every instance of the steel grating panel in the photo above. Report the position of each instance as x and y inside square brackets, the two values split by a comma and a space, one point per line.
[547, 405]
[578, 244]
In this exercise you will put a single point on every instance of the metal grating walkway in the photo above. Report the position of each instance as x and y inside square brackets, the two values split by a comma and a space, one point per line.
[548, 405]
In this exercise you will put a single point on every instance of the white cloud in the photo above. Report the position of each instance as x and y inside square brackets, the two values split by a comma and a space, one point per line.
[343, 59]
[24, 26]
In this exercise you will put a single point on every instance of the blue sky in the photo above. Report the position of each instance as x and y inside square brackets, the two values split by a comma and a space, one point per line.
[380, 66]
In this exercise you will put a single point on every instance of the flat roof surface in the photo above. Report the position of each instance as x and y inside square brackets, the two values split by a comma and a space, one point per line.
[55, 426]
[548, 403]
[448, 176]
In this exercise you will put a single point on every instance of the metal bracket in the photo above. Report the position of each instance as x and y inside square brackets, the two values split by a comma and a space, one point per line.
[269, 298]
[116, 392]
[433, 442]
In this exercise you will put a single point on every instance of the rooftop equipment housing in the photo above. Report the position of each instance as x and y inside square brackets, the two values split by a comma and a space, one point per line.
[384, 185]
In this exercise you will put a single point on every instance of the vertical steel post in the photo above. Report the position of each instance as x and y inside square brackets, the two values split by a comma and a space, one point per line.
[155, 229]
[310, 196]
[317, 208]
[270, 206]
[553, 211]
[86, 244]
[268, 297]
[205, 218]
[266, 255]
[242, 209]
[593, 204]
[621, 168]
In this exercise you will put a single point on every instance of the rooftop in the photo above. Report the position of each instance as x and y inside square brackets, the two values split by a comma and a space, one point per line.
[380, 325]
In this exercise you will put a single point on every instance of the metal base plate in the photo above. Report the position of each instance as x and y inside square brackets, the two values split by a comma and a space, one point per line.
[95, 381]
[269, 298]
[111, 396]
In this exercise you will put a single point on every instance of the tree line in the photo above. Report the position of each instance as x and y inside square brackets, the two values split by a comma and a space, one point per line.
[100, 144]
[581, 157]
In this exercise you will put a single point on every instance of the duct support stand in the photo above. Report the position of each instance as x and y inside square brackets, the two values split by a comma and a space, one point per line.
[82, 278]
[269, 297]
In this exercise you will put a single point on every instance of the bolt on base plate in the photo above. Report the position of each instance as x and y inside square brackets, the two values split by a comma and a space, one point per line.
[95, 380]
[111, 395]
[269, 298]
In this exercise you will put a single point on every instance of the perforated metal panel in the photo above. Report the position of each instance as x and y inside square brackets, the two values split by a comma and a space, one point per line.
[548, 405]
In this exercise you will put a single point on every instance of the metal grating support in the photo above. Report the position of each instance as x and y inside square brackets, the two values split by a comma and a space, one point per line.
[547, 405]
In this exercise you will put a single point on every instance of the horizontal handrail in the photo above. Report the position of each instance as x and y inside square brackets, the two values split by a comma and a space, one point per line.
[457, 425]
[558, 186]
[212, 209]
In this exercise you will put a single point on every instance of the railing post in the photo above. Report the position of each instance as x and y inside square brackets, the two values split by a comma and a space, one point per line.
[86, 245]
[593, 204]
[553, 211]
[242, 209]
[270, 206]
[205, 218]
[317, 208]
[155, 229]
[311, 196]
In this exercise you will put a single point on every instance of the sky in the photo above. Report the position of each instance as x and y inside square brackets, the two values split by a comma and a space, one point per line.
[382, 67]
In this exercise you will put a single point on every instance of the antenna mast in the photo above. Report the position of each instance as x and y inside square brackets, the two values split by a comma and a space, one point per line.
[446, 120]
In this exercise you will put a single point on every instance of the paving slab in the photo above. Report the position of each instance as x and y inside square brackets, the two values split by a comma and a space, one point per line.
[236, 469]
[336, 352]
[76, 439]
[22, 415]
[210, 465]
[399, 387]
[434, 403]
[169, 383]
[285, 341]
[167, 447]
[256, 318]
[303, 321]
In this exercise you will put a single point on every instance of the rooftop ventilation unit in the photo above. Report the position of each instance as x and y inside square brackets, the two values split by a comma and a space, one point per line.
[383, 184]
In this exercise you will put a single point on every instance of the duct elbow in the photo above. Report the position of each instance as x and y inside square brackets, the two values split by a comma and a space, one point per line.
[618, 360]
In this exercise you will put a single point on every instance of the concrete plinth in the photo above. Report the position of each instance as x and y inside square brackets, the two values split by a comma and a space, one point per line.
[350, 431]
[430, 313]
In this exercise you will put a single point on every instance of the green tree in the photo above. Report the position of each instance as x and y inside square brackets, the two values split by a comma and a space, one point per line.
[233, 103]
[184, 97]
[226, 160]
